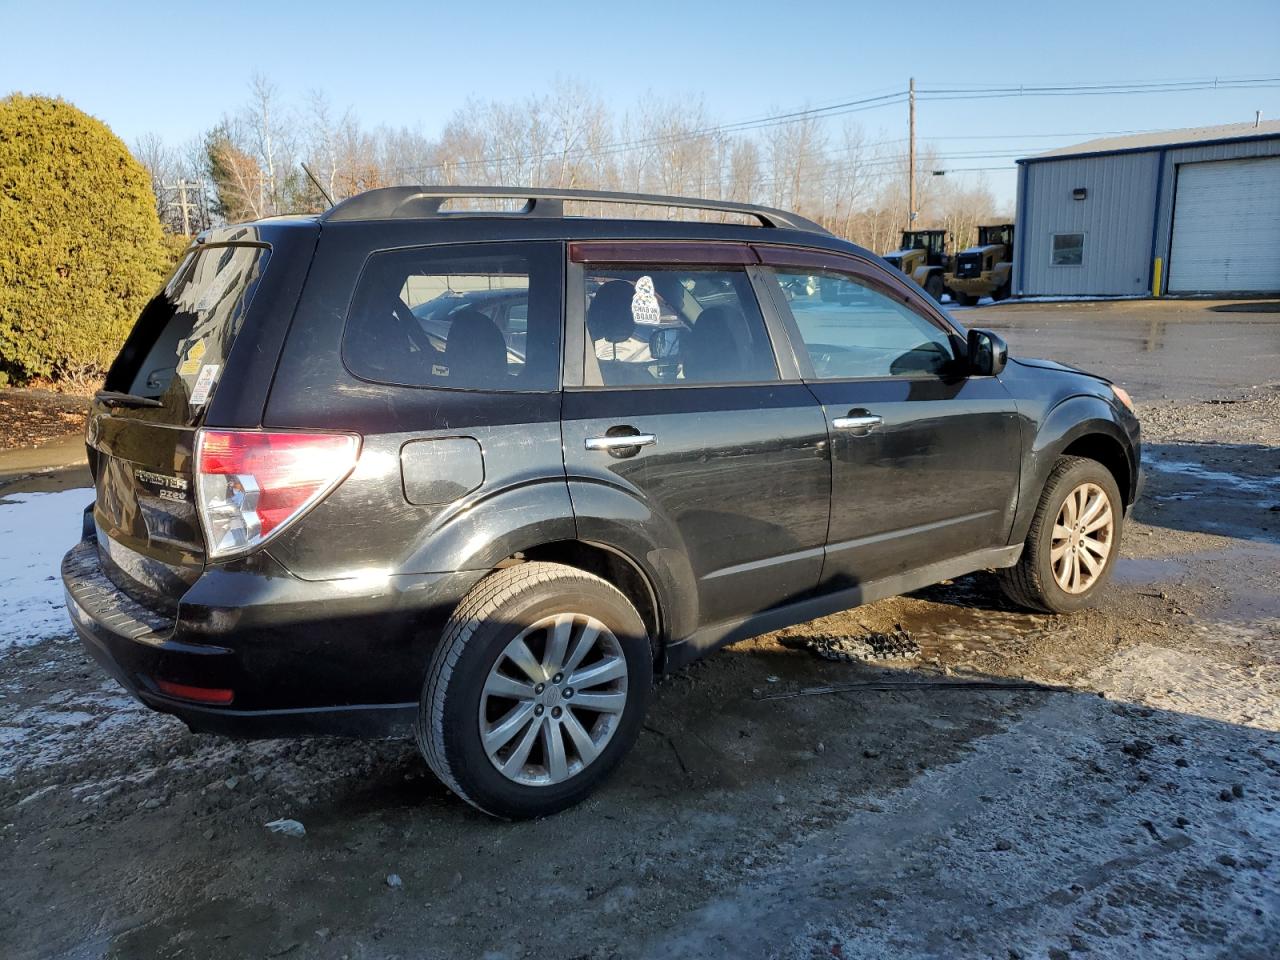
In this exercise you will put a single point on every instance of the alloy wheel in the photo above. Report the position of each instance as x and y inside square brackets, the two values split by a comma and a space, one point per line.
[553, 699]
[1083, 536]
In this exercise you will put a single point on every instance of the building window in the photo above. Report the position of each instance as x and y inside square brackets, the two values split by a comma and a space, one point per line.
[1068, 250]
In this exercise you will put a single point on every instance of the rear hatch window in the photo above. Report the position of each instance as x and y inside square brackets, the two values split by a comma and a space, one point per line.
[141, 432]
[178, 350]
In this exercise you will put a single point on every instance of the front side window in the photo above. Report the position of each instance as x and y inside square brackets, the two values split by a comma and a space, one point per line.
[852, 329]
[480, 317]
[682, 326]
[1068, 250]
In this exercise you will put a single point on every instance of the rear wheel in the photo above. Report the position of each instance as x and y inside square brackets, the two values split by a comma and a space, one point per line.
[965, 299]
[1073, 541]
[933, 286]
[1002, 292]
[536, 690]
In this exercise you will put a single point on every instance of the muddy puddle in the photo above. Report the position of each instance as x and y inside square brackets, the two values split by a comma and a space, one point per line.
[1139, 570]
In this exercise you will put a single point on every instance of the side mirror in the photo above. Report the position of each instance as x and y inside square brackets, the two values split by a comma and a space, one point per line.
[988, 353]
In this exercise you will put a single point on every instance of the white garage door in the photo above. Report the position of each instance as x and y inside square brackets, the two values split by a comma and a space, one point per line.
[1226, 227]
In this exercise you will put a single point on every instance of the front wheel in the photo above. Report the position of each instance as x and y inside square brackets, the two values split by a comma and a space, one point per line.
[1073, 541]
[964, 299]
[536, 690]
[933, 286]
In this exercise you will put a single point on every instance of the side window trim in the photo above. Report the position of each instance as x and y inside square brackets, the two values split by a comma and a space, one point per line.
[793, 363]
[666, 253]
[573, 333]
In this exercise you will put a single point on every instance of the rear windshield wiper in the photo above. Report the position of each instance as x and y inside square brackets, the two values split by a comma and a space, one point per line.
[114, 398]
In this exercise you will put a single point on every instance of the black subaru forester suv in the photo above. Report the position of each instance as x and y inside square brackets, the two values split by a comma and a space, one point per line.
[485, 473]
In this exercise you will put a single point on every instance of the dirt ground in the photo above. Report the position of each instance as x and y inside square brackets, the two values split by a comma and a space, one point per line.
[33, 418]
[1121, 799]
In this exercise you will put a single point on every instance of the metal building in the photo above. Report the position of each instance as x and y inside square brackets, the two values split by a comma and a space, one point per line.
[1175, 212]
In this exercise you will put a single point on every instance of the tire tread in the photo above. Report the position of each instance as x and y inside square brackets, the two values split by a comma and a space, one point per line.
[1022, 583]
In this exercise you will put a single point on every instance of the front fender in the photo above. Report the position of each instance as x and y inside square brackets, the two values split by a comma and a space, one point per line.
[1070, 419]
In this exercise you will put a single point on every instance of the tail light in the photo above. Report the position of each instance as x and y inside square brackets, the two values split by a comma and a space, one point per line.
[252, 484]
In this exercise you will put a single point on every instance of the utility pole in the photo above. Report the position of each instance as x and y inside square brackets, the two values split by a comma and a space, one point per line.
[182, 203]
[911, 154]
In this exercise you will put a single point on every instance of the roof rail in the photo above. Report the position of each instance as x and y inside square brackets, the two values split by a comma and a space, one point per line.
[396, 203]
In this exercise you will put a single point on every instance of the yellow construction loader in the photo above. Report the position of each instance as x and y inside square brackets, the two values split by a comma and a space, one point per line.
[985, 270]
[923, 257]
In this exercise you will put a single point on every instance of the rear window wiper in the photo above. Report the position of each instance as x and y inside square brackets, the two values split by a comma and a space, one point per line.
[114, 398]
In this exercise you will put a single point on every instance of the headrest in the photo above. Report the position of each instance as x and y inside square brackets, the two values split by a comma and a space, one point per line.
[718, 346]
[609, 316]
[475, 351]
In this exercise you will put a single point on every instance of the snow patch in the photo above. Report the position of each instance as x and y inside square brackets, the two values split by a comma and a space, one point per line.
[1083, 299]
[1198, 471]
[36, 529]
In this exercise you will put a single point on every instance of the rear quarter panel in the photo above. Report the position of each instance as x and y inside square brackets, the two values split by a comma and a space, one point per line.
[368, 526]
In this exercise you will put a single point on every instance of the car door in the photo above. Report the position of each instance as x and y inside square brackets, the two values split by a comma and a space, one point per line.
[728, 461]
[925, 457]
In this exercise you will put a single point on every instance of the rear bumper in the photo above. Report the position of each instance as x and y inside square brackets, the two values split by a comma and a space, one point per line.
[340, 658]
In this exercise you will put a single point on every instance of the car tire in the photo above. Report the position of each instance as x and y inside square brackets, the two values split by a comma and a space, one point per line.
[933, 286]
[481, 686]
[1043, 579]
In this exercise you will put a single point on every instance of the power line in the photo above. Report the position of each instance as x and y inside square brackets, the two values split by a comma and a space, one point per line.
[625, 146]
[875, 101]
[997, 93]
[1116, 85]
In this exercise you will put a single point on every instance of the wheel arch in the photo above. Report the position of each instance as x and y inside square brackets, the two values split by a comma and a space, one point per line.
[1081, 425]
[1109, 452]
[614, 566]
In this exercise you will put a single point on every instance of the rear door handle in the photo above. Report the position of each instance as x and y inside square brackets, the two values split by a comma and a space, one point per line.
[862, 424]
[621, 442]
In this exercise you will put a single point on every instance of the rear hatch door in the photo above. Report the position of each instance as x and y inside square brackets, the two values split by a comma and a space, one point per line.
[142, 427]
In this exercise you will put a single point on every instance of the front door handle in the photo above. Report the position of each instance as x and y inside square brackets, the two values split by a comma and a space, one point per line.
[621, 441]
[860, 424]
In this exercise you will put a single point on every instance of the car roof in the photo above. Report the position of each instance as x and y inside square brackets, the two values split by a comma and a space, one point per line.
[410, 216]
[415, 202]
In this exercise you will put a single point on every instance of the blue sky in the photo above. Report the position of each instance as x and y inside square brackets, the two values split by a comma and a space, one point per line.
[413, 64]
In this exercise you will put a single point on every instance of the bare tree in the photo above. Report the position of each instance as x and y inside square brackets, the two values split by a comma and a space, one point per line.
[568, 137]
[797, 165]
[743, 170]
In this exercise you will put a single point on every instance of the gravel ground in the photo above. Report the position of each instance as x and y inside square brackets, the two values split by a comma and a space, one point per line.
[1122, 800]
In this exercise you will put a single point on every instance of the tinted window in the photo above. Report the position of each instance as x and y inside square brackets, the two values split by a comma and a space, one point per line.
[852, 329]
[479, 317]
[178, 350]
[674, 325]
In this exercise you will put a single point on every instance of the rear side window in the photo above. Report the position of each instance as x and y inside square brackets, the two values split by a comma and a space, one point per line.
[678, 326]
[179, 347]
[478, 317]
